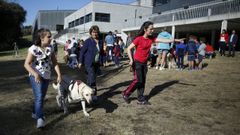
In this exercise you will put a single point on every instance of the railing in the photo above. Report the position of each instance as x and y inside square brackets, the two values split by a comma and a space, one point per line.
[203, 10]
[65, 31]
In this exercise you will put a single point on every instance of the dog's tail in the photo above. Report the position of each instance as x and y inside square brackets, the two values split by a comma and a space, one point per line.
[55, 86]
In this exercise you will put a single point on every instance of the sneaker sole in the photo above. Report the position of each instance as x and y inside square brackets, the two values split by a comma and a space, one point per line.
[145, 103]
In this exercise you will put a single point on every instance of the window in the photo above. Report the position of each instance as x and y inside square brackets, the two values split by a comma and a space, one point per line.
[77, 22]
[59, 27]
[160, 2]
[81, 20]
[71, 24]
[88, 18]
[102, 17]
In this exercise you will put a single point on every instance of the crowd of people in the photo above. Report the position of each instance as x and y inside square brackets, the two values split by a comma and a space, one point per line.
[110, 51]
[195, 49]
[144, 51]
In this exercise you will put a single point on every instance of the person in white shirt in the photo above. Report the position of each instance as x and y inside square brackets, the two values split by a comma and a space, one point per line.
[39, 61]
[232, 43]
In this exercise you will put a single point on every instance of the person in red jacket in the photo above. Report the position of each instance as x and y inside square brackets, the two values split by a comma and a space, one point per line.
[223, 42]
[209, 51]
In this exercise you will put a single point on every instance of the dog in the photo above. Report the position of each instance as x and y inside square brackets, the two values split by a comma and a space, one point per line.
[70, 91]
[170, 61]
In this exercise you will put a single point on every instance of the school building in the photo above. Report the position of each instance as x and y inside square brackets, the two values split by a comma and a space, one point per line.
[108, 16]
[203, 18]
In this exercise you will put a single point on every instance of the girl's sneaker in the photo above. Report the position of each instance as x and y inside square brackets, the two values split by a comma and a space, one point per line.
[125, 98]
[144, 102]
[40, 123]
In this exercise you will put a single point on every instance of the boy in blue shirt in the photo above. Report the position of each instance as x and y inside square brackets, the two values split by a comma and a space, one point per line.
[180, 52]
[191, 52]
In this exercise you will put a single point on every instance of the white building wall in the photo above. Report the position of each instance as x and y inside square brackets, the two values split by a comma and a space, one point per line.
[148, 3]
[121, 16]
[79, 13]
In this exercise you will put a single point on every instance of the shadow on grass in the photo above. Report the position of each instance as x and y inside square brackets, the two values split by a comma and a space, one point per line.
[16, 119]
[104, 101]
[159, 88]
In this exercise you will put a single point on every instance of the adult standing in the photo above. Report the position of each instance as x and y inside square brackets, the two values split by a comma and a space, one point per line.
[89, 56]
[142, 43]
[16, 50]
[223, 41]
[232, 43]
[38, 63]
[55, 47]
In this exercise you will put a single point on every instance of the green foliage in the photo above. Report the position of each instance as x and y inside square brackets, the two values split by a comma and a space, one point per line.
[12, 17]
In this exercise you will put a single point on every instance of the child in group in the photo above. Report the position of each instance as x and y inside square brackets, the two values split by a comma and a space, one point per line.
[73, 59]
[201, 52]
[117, 54]
[122, 46]
[180, 52]
[191, 51]
[65, 49]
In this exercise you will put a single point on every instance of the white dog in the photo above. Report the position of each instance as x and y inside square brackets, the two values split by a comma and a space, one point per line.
[73, 91]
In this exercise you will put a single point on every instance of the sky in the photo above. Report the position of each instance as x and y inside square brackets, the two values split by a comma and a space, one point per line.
[33, 6]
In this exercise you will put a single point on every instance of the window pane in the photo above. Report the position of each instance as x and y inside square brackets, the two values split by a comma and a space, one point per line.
[102, 17]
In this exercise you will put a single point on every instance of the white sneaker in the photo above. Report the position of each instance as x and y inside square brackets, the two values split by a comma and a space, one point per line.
[157, 67]
[40, 123]
[161, 68]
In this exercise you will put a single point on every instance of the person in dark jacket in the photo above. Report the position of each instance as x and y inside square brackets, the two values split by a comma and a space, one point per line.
[180, 52]
[191, 52]
[232, 43]
[89, 57]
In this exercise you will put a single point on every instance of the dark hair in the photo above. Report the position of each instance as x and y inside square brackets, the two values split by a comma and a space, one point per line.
[41, 33]
[203, 39]
[94, 27]
[192, 37]
[144, 26]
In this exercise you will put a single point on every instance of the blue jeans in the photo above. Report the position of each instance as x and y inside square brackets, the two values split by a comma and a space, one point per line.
[92, 71]
[180, 61]
[39, 92]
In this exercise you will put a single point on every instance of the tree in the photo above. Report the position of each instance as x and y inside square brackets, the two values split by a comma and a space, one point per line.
[12, 18]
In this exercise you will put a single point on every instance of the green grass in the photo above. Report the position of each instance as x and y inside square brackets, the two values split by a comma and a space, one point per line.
[28, 37]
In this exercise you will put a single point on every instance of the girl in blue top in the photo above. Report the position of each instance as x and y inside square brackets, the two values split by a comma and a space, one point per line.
[163, 49]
